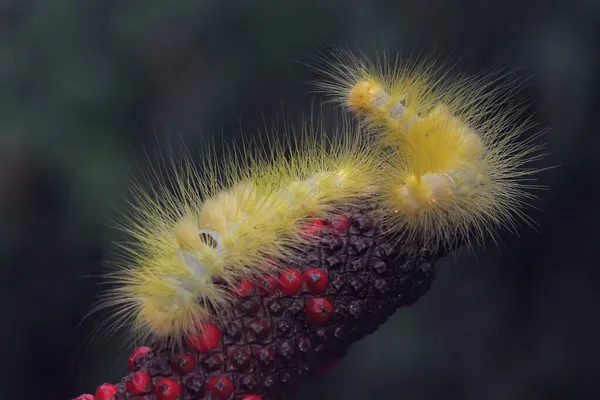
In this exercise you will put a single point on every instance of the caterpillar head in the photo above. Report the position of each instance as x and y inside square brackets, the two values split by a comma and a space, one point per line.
[169, 291]
[366, 96]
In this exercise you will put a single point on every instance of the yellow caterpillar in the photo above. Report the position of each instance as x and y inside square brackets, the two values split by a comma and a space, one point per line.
[461, 163]
[229, 220]
[438, 159]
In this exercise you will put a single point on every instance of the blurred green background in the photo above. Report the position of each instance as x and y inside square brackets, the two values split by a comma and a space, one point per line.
[86, 85]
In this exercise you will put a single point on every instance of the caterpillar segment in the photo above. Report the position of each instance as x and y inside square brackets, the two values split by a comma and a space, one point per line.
[462, 155]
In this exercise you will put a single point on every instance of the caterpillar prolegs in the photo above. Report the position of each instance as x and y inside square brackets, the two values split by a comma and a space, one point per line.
[256, 272]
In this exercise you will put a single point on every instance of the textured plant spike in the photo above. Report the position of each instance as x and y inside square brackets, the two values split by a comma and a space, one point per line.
[462, 162]
[275, 340]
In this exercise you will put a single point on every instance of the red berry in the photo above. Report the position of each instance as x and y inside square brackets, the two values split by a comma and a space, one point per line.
[138, 352]
[319, 310]
[290, 281]
[244, 288]
[138, 383]
[106, 391]
[183, 363]
[252, 397]
[267, 285]
[313, 229]
[208, 339]
[85, 397]
[220, 386]
[340, 224]
[316, 280]
[167, 389]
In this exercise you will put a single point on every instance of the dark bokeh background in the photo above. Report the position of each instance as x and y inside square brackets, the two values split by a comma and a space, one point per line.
[84, 84]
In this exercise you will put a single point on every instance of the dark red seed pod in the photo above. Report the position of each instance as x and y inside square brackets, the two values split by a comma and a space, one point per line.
[138, 383]
[167, 389]
[340, 224]
[278, 337]
[220, 387]
[267, 285]
[313, 229]
[142, 351]
[319, 310]
[106, 391]
[208, 339]
[85, 397]
[183, 363]
[316, 280]
[244, 288]
[290, 281]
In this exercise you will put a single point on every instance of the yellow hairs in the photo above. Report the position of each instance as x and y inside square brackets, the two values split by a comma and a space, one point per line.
[460, 165]
[204, 233]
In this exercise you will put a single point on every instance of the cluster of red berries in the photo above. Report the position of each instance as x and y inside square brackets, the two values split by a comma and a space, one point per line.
[139, 383]
[290, 282]
[318, 309]
[339, 224]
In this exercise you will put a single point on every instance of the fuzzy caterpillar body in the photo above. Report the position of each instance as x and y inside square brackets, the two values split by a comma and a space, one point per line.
[438, 160]
[461, 162]
[186, 242]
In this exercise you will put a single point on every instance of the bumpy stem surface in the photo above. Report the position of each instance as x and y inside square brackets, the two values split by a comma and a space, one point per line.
[290, 329]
